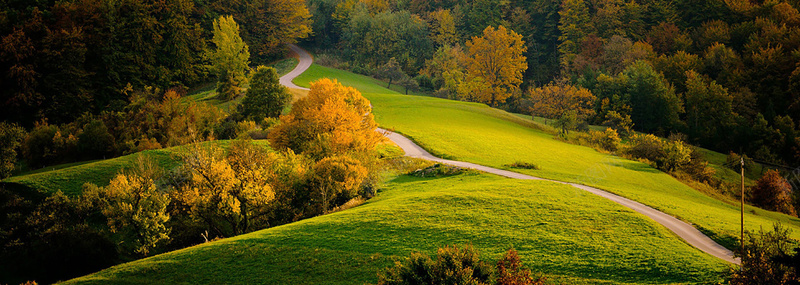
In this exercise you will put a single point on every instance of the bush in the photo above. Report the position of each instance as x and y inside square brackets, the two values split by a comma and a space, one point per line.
[458, 266]
[46, 144]
[622, 124]
[438, 170]
[667, 156]
[452, 265]
[608, 140]
[772, 192]
[11, 136]
[523, 165]
[767, 259]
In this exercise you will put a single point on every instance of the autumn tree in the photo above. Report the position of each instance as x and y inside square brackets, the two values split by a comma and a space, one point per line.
[270, 24]
[443, 27]
[227, 192]
[230, 58]
[553, 100]
[266, 97]
[136, 208]
[332, 119]
[337, 180]
[772, 192]
[497, 57]
[574, 25]
[11, 136]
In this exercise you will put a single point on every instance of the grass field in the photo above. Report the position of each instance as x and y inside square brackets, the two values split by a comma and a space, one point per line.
[479, 134]
[573, 237]
[69, 178]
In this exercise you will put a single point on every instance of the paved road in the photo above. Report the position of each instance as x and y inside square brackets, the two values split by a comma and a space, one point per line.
[684, 230]
[305, 63]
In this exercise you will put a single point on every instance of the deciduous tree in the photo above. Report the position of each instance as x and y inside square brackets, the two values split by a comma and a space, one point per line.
[266, 97]
[497, 57]
[332, 119]
[230, 58]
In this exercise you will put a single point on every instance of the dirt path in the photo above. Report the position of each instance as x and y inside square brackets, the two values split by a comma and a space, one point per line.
[684, 230]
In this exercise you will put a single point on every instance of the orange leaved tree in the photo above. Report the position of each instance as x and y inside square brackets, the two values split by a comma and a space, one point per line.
[332, 119]
[498, 58]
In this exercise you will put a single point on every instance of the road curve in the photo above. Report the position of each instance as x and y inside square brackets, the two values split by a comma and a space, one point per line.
[684, 230]
[305, 62]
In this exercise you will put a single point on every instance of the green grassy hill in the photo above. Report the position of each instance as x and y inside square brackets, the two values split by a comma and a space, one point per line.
[479, 134]
[572, 236]
[69, 178]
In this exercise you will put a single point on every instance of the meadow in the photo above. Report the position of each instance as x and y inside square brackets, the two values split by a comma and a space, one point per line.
[476, 133]
[571, 236]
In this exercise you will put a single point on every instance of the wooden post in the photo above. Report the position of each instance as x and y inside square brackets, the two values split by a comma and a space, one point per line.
[741, 240]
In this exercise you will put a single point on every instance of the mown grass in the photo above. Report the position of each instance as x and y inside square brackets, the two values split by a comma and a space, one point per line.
[572, 236]
[69, 178]
[479, 134]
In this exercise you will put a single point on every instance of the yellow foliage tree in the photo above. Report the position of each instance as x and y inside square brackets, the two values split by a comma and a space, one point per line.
[332, 119]
[443, 27]
[498, 58]
[228, 192]
[552, 100]
[135, 207]
[337, 180]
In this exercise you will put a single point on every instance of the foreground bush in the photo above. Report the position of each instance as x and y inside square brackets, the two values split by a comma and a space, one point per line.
[768, 258]
[458, 266]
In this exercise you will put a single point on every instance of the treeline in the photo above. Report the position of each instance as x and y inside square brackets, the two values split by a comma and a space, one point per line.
[721, 72]
[62, 59]
[323, 158]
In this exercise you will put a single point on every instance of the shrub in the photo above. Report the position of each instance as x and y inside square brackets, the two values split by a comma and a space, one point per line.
[608, 140]
[458, 266]
[772, 192]
[523, 165]
[452, 265]
[438, 170]
[47, 144]
[11, 136]
[511, 272]
[766, 259]
[646, 146]
[622, 124]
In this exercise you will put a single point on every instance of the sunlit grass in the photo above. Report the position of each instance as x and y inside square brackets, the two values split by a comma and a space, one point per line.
[572, 236]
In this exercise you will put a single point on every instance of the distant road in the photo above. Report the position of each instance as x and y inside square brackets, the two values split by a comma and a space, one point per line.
[684, 230]
[305, 63]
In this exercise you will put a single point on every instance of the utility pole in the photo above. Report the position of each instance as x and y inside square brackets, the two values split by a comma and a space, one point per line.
[741, 240]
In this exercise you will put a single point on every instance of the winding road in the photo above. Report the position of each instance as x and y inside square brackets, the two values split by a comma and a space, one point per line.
[684, 230]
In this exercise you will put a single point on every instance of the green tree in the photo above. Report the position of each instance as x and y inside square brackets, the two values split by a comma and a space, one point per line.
[450, 264]
[391, 72]
[654, 104]
[709, 111]
[11, 136]
[230, 58]
[266, 97]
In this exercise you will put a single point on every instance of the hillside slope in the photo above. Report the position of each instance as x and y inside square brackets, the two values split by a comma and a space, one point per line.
[572, 236]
